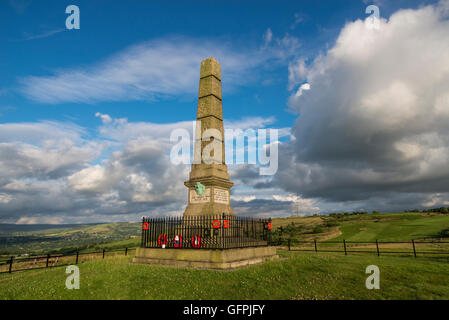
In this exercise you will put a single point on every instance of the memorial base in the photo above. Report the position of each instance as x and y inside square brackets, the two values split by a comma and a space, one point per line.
[204, 258]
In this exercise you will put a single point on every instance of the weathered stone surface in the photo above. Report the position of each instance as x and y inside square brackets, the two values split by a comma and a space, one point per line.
[209, 86]
[210, 67]
[209, 172]
[207, 259]
[210, 106]
[210, 123]
[213, 175]
[214, 158]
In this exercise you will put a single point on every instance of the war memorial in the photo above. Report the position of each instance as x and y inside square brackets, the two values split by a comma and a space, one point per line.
[209, 234]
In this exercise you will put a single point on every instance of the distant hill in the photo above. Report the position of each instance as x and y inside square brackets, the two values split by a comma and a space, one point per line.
[43, 238]
[7, 229]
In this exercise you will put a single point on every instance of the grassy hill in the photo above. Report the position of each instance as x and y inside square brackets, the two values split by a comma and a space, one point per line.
[38, 239]
[294, 276]
[394, 227]
[364, 227]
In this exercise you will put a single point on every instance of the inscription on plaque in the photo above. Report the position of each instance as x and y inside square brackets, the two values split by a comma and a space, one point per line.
[221, 196]
[196, 198]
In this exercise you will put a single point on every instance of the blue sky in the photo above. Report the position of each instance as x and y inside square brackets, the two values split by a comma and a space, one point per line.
[76, 104]
[36, 43]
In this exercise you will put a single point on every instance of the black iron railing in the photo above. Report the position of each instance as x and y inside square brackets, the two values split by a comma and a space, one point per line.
[205, 232]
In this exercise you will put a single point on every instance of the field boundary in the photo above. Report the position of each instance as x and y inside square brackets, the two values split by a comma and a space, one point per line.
[415, 247]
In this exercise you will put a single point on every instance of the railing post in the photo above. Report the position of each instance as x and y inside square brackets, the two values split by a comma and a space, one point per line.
[344, 244]
[269, 233]
[126, 251]
[48, 258]
[103, 252]
[414, 250]
[10, 264]
[142, 233]
[77, 254]
[289, 244]
[316, 248]
[377, 248]
[221, 230]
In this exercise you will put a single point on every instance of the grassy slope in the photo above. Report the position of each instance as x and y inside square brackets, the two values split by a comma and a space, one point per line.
[116, 245]
[367, 227]
[299, 276]
[393, 227]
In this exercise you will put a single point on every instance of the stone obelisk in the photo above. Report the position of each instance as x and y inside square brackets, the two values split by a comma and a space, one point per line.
[209, 184]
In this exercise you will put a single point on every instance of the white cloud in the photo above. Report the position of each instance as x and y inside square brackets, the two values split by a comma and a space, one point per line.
[105, 118]
[299, 205]
[264, 203]
[297, 72]
[40, 220]
[158, 68]
[268, 36]
[44, 131]
[44, 148]
[42, 34]
[5, 198]
[244, 198]
[249, 123]
[88, 179]
[302, 88]
[399, 96]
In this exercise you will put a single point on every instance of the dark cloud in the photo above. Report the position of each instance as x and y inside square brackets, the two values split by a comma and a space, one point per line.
[245, 174]
[372, 129]
[263, 208]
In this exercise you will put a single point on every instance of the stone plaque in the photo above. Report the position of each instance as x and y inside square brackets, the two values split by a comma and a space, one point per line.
[221, 196]
[196, 198]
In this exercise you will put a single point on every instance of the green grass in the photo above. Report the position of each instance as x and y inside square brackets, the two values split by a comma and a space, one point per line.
[363, 227]
[295, 276]
[393, 227]
[121, 244]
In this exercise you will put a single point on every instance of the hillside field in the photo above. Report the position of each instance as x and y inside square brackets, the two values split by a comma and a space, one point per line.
[364, 227]
[294, 276]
